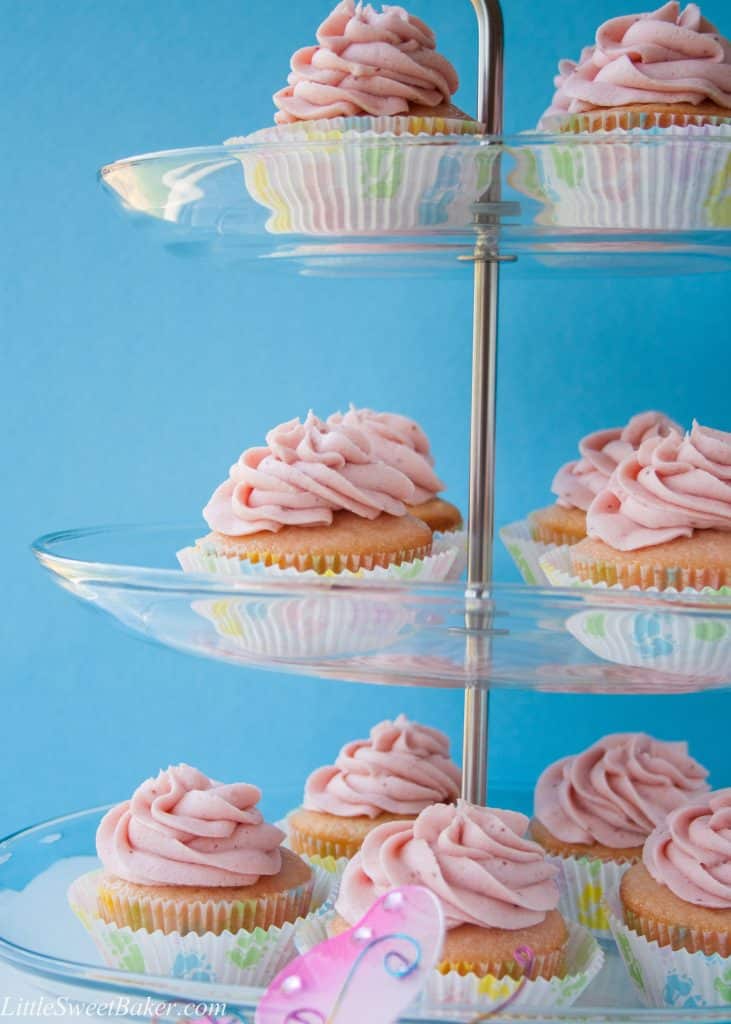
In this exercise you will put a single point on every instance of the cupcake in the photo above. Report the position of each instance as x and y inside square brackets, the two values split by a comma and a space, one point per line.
[403, 445]
[670, 67]
[187, 854]
[577, 483]
[672, 921]
[680, 894]
[497, 889]
[367, 140]
[195, 884]
[594, 811]
[664, 518]
[316, 497]
[401, 769]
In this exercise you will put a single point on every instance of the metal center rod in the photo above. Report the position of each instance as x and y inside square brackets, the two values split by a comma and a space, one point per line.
[481, 524]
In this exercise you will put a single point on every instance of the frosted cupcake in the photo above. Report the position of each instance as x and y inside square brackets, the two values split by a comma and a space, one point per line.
[668, 68]
[497, 889]
[315, 497]
[664, 518]
[403, 445]
[594, 811]
[195, 884]
[401, 769]
[187, 854]
[680, 895]
[577, 483]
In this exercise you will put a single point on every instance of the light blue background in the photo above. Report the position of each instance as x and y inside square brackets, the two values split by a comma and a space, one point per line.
[130, 380]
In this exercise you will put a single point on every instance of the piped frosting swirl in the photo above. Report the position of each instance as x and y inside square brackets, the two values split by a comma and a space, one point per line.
[182, 828]
[400, 443]
[668, 489]
[401, 769]
[690, 851]
[366, 62]
[306, 472]
[474, 859]
[577, 483]
[615, 792]
[667, 56]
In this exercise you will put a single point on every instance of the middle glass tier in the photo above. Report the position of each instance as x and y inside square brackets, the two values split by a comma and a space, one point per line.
[399, 633]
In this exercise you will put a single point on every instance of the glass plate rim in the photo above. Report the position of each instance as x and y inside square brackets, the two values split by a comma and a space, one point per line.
[176, 580]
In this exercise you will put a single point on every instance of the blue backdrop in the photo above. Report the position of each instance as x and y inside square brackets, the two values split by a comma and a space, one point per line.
[130, 380]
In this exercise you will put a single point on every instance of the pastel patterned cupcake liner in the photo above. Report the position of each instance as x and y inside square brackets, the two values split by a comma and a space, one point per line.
[241, 957]
[585, 885]
[583, 959]
[632, 180]
[367, 176]
[433, 568]
[667, 977]
[452, 540]
[526, 552]
[318, 626]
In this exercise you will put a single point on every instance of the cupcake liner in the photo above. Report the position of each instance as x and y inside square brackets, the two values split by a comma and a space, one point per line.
[556, 564]
[318, 626]
[526, 552]
[433, 568]
[585, 885]
[241, 958]
[452, 540]
[637, 179]
[664, 977]
[316, 849]
[583, 960]
[367, 176]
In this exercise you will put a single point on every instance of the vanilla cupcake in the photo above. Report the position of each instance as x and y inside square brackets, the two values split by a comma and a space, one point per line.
[667, 68]
[403, 445]
[594, 811]
[672, 922]
[402, 768]
[577, 483]
[664, 518]
[497, 889]
[316, 497]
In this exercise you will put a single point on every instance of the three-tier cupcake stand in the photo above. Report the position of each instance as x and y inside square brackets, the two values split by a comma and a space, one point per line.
[602, 202]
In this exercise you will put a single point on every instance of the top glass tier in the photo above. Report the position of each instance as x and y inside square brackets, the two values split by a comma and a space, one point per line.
[618, 202]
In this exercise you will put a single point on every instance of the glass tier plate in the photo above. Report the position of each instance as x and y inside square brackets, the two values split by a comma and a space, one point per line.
[40, 937]
[633, 202]
[397, 632]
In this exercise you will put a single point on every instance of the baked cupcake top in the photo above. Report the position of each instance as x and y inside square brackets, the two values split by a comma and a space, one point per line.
[182, 828]
[577, 483]
[366, 63]
[690, 851]
[400, 443]
[475, 859]
[668, 56]
[306, 472]
[616, 791]
[401, 769]
[671, 487]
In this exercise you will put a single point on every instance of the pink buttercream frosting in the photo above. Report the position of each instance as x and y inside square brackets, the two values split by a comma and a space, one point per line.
[690, 851]
[306, 472]
[667, 56]
[577, 483]
[403, 768]
[668, 489]
[366, 62]
[476, 860]
[400, 443]
[615, 792]
[182, 828]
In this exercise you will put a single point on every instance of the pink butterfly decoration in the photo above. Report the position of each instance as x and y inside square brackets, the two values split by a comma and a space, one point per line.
[370, 973]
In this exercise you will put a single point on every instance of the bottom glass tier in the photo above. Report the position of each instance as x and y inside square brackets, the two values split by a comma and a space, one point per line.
[41, 938]
[399, 631]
